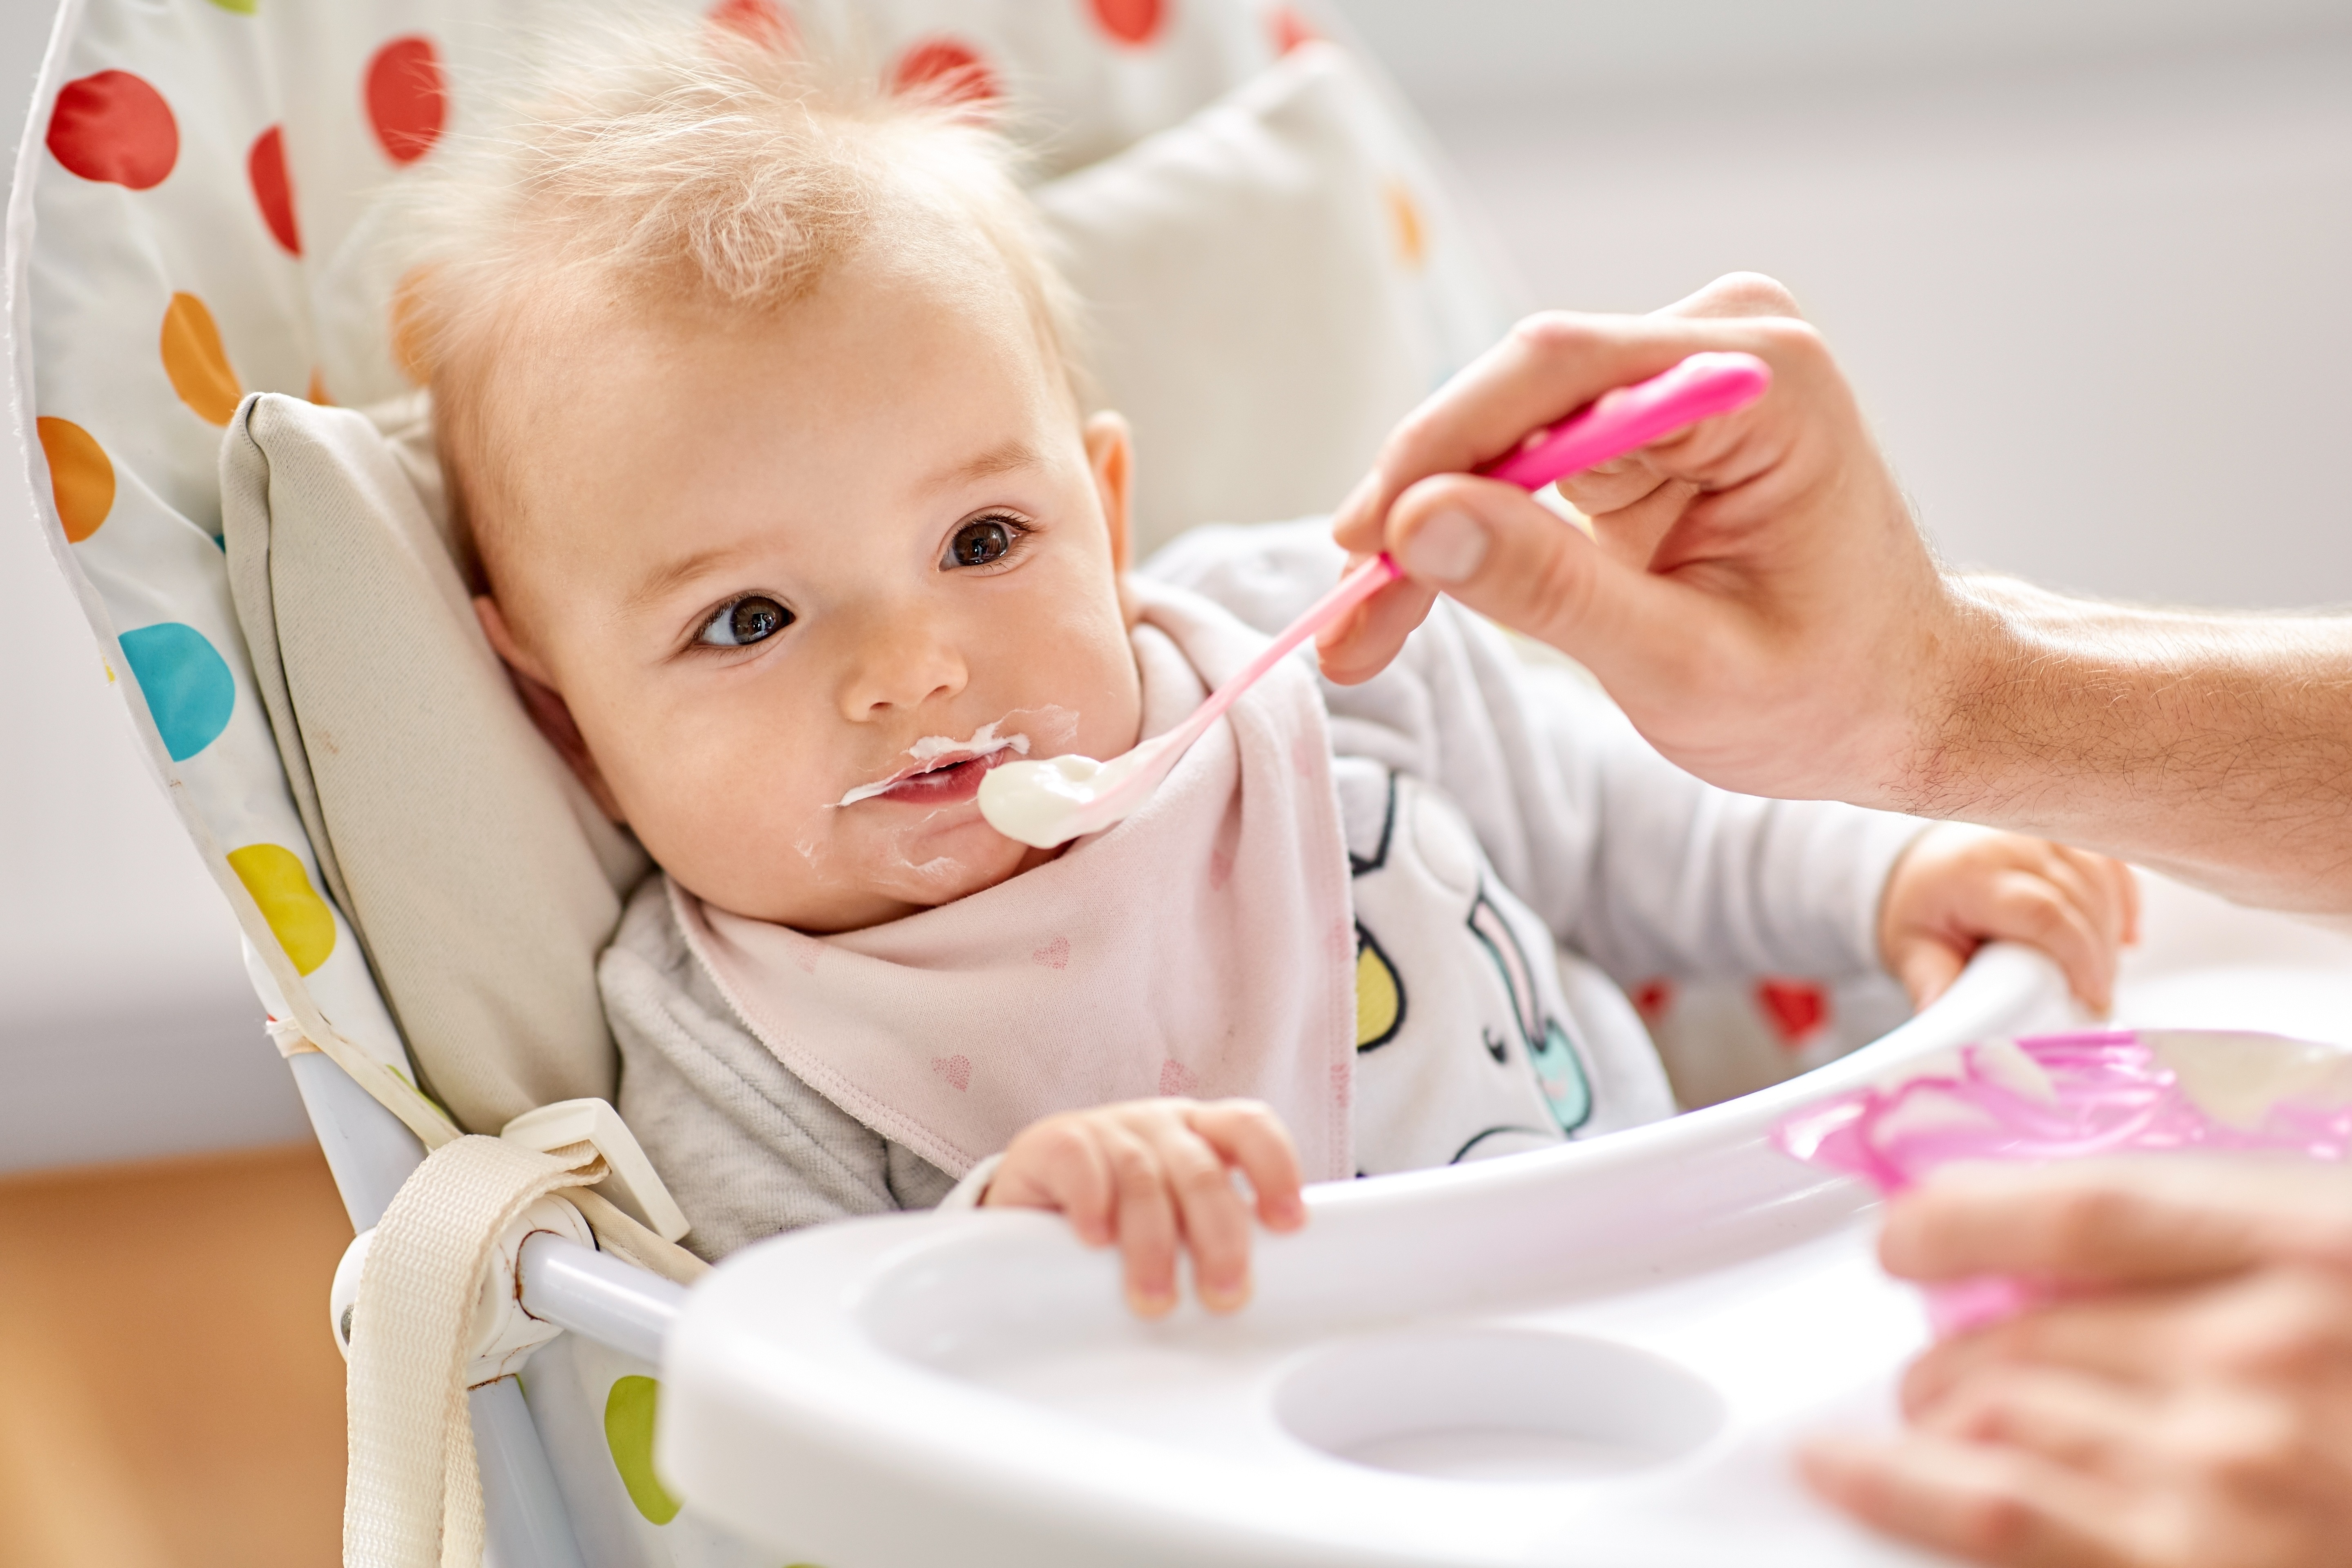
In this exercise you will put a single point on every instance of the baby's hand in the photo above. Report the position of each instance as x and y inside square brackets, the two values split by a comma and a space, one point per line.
[1958, 888]
[1154, 1173]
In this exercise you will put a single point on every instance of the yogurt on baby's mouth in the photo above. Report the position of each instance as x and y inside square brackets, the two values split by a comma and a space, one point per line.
[985, 742]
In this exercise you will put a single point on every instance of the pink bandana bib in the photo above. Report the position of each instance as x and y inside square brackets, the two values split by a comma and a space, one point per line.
[1202, 947]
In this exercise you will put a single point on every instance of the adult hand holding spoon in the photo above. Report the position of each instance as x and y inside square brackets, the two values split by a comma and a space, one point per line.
[1053, 800]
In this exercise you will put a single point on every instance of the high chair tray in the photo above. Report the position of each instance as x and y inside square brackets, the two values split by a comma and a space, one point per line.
[1599, 1354]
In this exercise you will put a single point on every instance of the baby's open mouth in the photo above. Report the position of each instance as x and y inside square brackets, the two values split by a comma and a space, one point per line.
[942, 783]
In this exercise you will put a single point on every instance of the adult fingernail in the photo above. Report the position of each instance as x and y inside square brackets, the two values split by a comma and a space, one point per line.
[1446, 548]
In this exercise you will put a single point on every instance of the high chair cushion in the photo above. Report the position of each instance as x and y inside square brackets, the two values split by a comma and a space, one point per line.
[197, 220]
[1254, 256]
[1254, 278]
[475, 869]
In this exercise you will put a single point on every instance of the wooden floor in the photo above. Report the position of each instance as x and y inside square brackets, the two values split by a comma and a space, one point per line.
[168, 1396]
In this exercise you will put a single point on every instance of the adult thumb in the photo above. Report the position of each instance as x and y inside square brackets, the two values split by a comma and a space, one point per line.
[1498, 551]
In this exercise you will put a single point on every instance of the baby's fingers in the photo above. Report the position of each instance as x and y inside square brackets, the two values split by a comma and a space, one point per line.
[1927, 965]
[1246, 1133]
[1216, 1224]
[1147, 1222]
[2024, 906]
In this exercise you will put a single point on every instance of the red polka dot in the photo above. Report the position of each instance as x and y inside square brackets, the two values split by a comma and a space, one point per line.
[1289, 29]
[1133, 22]
[265, 166]
[115, 127]
[951, 69]
[1797, 1009]
[407, 101]
[1652, 998]
[763, 22]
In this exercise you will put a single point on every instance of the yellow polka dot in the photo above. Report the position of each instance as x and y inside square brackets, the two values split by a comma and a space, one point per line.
[1380, 999]
[1404, 216]
[303, 924]
[197, 362]
[81, 477]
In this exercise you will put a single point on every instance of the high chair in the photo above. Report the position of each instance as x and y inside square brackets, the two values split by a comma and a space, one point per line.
[1278, 273]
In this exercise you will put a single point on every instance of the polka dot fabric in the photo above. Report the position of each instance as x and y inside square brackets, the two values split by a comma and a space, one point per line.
[192, 222]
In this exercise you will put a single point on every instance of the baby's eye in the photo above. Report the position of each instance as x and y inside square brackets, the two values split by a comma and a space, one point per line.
[755, 617]
[981, 541]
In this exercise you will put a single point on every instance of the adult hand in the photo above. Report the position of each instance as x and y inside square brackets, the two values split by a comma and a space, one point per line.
[2187, 1402]
[1758, 598]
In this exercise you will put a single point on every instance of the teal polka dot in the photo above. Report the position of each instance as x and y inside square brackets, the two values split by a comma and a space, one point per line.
[186, 682]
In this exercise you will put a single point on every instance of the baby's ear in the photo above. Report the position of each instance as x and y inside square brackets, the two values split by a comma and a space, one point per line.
[549, 712]
[1110, 453]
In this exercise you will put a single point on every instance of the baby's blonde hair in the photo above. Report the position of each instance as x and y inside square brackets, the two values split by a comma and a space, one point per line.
[693, 169]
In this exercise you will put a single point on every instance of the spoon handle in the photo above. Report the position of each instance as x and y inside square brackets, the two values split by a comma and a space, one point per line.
[1353, 590]
[1615, 423]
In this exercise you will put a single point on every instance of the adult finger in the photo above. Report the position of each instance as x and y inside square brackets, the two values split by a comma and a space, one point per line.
[1249, 1135]
[2150, 1337]
[2118, 1221]
[1358, 646]
[1738, 294]
[1495, 548]
[2086, 1423]
[1209, 1214]
[1147, 1223]
[1546, 367]
[1987, 1504]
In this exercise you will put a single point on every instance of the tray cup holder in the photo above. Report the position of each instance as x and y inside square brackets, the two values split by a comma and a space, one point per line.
[1496, 1405]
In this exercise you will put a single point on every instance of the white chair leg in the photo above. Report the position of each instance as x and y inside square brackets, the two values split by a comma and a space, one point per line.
[524, 1519]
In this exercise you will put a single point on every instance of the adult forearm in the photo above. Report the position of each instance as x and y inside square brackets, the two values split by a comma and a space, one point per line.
[2215, 748]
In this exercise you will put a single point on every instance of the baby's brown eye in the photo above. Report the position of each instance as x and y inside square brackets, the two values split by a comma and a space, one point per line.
[980, 542]
[755, 617]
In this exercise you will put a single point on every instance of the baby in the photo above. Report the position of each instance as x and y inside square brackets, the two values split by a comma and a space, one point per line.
[760, 410]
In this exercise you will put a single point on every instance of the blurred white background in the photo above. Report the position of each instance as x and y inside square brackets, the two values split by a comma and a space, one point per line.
[2086, 260]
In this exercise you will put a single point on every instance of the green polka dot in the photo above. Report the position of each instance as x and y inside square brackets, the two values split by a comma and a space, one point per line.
[242, 7]
[629, 1433]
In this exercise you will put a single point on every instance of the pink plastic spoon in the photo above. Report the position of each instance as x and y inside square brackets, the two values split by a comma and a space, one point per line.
[1055, 799]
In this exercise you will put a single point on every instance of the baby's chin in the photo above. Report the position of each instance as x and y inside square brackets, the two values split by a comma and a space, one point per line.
[893, 864]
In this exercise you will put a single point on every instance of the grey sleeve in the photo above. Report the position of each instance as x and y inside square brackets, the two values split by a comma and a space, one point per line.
[1630, 860]
[745, 1146]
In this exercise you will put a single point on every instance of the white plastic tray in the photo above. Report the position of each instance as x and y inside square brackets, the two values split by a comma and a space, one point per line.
[1592, 1355]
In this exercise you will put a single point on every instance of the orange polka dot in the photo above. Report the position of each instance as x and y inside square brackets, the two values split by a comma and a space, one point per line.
[318, 392]
[81, 477]
[197, 362]
[1405, 219]
[407, 329]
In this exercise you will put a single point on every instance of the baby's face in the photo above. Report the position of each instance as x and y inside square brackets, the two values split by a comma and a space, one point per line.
[768, 566]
